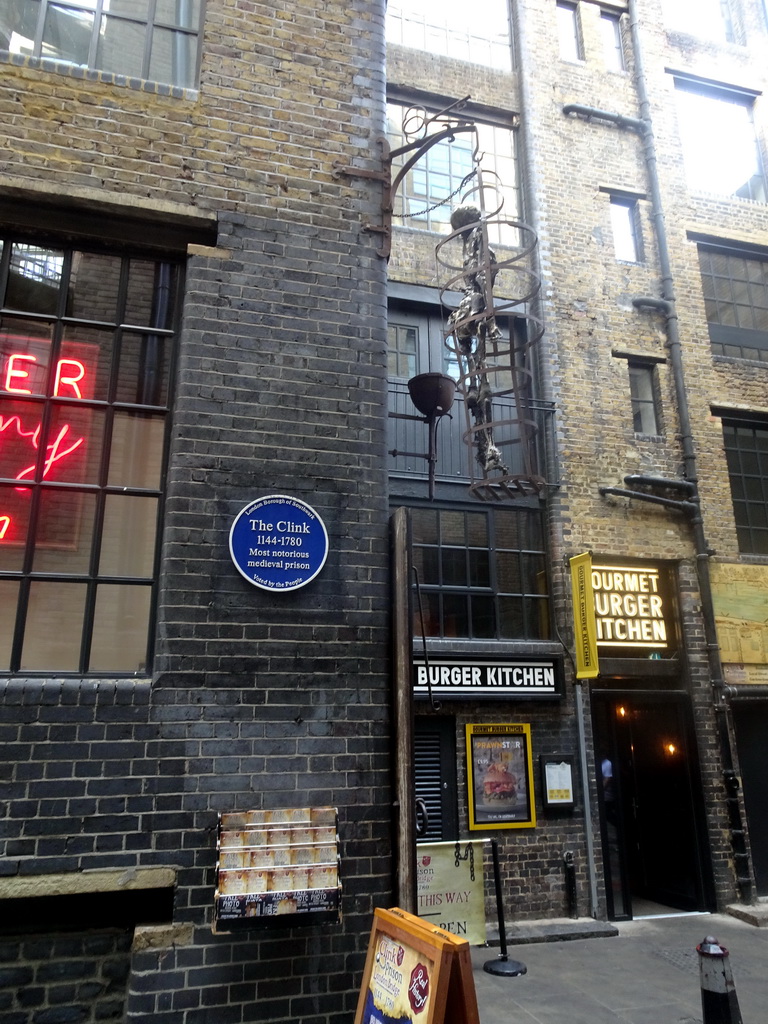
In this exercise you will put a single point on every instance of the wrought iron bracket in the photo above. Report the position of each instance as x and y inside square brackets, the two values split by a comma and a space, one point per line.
[450, 128]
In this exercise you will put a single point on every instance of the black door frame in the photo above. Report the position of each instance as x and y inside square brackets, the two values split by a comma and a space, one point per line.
[615, 832]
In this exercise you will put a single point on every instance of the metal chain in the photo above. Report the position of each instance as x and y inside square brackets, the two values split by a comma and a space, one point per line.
[442, 202]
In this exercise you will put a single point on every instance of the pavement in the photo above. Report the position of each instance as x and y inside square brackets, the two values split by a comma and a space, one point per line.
[636, 972]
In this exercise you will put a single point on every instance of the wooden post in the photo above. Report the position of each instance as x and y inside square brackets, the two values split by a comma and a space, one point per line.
[404, 817]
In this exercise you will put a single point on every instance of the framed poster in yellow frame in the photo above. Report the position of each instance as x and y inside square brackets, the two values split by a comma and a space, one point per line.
[500, 776]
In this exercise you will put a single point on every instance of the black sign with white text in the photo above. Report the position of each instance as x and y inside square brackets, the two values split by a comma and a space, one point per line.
[524, 678]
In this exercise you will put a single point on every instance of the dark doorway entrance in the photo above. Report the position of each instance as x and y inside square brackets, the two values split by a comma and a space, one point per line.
[750, 721]
[654, 842]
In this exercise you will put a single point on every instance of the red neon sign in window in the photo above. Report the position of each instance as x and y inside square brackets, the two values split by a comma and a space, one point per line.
[68, 373]
[24, 366]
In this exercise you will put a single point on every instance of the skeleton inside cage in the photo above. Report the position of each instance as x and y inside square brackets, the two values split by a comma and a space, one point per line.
[495, 364]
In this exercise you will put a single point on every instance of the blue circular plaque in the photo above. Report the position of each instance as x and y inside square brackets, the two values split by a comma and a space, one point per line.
[278, 542]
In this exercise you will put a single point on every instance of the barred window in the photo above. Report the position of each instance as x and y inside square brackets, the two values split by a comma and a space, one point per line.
[86, 360]
[150, 39]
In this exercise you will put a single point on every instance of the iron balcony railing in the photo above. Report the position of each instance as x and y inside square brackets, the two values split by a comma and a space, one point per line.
[408, 438]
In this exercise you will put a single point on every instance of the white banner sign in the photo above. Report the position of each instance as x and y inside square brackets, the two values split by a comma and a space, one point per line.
[451, 887]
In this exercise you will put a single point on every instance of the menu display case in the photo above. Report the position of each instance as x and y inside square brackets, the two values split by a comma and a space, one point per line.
[278, 867]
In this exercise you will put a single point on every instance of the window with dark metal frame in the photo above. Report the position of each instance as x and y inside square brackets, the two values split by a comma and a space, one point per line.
[87, 350]
[481, 571]
[156, 40]
[417, 345]
[746, 452]
[735, 287]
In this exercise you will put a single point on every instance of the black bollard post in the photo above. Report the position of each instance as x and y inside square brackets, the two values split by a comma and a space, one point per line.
[570, 884]
[719, 1003]
[502, 965]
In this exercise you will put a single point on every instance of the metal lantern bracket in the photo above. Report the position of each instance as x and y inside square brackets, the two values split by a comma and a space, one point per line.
[433, 395]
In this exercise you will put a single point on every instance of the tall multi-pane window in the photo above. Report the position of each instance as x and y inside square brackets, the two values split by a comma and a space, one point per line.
[86, 360]
[481, 573]
[735, 287]
[446, 172]
[718, 140]
[746, 451]
[708, 19]
[613, 49]
[626, 229]
[150, 39]
[480, 36]
[568, 36]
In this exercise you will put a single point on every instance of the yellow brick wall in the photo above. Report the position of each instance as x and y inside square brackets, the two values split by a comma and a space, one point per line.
[572, 165]
[264, 128]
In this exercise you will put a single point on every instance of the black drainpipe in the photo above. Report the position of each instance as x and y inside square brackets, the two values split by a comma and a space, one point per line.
[666, 306]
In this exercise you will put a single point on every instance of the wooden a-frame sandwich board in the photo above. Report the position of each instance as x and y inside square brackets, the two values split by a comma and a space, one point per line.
[415, 972]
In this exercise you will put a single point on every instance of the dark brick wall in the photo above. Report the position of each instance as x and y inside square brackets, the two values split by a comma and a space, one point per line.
[260, 700]
[100, 776]
[290, 977]
[257, 700]
[77, 760]
[65, 978]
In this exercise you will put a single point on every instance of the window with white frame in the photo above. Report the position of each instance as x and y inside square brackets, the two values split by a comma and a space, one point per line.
[707, 19]
[446, 173]
[613, 48]
[87, 347]
[568, 36]
[625, 225]
[735, 287]
[446, 29]
[155, 40]
[717, 135]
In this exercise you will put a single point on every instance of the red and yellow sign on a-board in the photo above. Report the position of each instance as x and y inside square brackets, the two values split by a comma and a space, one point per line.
[413, 972]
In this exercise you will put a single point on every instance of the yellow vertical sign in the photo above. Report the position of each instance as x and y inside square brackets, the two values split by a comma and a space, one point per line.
[584, 617]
